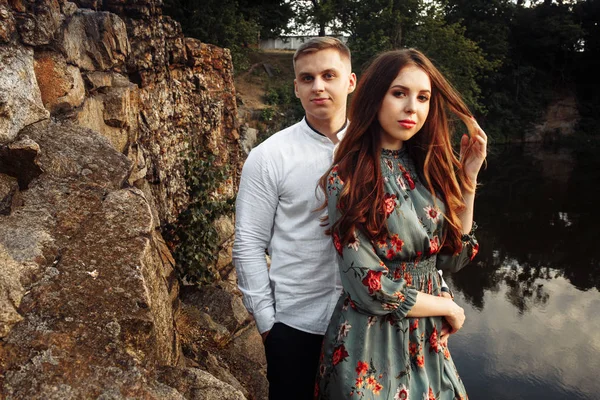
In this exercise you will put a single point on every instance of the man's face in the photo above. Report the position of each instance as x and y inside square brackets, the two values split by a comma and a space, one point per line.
[323, 82]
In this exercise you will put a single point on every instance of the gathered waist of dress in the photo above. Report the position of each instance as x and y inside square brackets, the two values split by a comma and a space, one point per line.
[422, 265]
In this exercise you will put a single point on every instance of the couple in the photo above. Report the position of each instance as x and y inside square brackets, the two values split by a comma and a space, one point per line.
[365, 313]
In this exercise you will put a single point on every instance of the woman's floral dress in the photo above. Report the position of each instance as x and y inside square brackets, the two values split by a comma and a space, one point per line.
[371, 349]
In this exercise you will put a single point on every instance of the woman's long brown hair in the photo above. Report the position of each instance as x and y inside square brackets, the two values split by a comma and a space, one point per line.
[358, 155]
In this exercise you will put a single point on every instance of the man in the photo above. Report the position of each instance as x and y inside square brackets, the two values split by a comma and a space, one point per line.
[292, 301]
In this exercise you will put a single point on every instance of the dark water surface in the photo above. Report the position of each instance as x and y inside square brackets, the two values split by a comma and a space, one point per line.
[532, 294]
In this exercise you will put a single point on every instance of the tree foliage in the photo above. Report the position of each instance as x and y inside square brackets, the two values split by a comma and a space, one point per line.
[459, 58]
[235, 24]
[509, 59]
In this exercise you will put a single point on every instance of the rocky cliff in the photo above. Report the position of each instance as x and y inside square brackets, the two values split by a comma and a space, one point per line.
[101, 102]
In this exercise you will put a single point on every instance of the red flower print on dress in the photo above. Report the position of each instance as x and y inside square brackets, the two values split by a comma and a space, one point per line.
[432, 213]
[337, 243]
[346, 303]
[371, 382]
[377, 388]
[400, 182]
[434, 245]
[397, 242]
[408, 278]
[339, 354]
[431, 395]
[420, 361]
[359, 382]
[429, 286]
[390, 253]
[397, 274]
[433, 341]
[409, 180]
[373, 281]
[402, 393]
[407, 177]
[413, 348]
[344, 329]
[389, 204]
[474, 251]
[361, 368]
[400, 296]
[389, 164]
[414, 324]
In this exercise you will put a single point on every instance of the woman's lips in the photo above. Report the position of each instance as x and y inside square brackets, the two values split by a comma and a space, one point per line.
[407, 123]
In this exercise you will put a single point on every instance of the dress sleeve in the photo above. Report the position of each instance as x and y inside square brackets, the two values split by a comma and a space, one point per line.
[255, 208]
[455, 262]
[364, 275]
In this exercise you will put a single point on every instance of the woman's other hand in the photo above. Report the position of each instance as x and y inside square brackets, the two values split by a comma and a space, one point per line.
[456, 317]
[445, 331]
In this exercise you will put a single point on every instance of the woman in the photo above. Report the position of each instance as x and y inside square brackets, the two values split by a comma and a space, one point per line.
[400, 207]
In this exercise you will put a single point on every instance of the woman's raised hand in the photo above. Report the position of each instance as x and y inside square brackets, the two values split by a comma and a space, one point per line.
[473, 151]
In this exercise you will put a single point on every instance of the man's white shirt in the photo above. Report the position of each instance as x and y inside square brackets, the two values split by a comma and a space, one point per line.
[275, 210]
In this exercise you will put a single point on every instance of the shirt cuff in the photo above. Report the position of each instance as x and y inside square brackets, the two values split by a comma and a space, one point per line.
[264, 319]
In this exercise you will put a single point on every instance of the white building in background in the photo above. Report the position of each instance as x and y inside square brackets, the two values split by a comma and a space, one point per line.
[290, 42]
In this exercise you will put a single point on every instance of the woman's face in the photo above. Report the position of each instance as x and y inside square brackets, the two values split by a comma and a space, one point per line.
[405, 107]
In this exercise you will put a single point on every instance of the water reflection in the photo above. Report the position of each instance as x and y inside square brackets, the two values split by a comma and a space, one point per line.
[531, 296]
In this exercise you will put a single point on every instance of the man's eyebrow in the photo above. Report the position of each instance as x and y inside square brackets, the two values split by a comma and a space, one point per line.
[408, 89]
[325, 71]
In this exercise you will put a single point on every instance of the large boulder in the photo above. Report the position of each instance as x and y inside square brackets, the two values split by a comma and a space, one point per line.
[7, 24]
[38, 21]
[89, 300]
[20, 99]
[95, 40]
[61, 84]
[217, 331]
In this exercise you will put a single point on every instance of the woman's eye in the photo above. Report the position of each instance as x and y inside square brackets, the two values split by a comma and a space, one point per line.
[423, 98]
[398, 93]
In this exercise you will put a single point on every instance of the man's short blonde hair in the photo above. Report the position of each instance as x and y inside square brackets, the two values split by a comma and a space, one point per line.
[321, 43]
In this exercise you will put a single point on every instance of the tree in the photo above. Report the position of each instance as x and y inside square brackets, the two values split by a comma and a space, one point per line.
[319, 16]
[587, 14]
[381, 25]
[460, 59]
[234, 24]
[486, 22]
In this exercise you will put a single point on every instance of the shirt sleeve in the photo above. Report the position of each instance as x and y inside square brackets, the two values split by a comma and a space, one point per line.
[255, 208]
[364, 275]
[455, 262]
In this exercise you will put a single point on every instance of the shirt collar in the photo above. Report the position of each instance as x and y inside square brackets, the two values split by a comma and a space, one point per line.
[321, 137]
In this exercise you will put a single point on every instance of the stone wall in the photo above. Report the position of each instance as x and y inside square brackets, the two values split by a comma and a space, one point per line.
[101, 102]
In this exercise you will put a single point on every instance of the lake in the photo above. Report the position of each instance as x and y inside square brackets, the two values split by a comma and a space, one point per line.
[531, 296]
